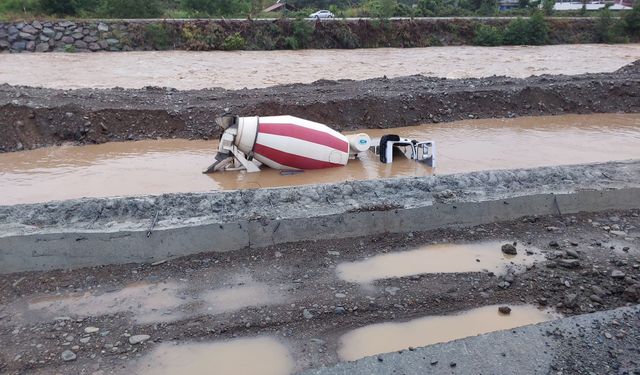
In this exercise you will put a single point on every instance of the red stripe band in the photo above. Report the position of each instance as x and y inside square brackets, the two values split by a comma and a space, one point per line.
[305, 134]
[292, 160]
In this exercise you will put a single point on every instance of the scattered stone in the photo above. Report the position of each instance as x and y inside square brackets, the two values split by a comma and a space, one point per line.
[617, 274]
[506, 310]
[453, 364]
[138, 339]
[596, 298]
[608, 335]
[572, 254]
[554, 244]
[618, 233]
[569, 263]
[509, 249]
[392, 290]
[91, 330]
[340, 310]
[68, 356]
[307, 314]
[434, 362]
[570, 300]
[341, 295]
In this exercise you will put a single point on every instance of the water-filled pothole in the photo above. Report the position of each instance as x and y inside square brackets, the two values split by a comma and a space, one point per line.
[148, 302]
[441, 258]
[389, 337]
[252, 356]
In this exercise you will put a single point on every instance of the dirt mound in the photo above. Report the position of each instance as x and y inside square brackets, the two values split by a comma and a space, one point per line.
[37, 117]
[633, 68]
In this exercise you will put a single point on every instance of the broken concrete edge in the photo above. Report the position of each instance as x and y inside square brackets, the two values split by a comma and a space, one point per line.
[530, 349]
[421, 204]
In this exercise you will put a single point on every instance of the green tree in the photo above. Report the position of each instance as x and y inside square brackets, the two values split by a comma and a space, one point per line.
[58, 7]
[488, 7]
[547, 6]
[631, 20]
[429, 8]
[217, 8]
[487, 36]
[538, 29]
[388, 7]
[130, 8]
[604, 26]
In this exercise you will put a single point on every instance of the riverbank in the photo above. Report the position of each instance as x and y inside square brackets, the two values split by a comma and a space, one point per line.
[270, 34]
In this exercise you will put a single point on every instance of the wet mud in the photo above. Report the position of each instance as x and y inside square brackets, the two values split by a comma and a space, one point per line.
[587, 266]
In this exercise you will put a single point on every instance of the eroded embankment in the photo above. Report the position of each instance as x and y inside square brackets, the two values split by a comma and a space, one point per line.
[119, 230]
[34, 117]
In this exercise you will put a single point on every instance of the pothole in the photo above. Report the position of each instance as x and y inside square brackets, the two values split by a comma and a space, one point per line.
[149, 303]
[236, 298]
[251, 356]
[389, 337]
[441, 258]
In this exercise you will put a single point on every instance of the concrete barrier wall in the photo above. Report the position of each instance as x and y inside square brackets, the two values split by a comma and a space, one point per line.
[77, 249]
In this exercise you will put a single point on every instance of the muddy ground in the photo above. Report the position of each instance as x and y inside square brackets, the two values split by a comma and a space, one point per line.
[592, 264]
[37, 117]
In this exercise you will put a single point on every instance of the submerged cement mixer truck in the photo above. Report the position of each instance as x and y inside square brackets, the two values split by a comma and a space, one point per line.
[292, 143]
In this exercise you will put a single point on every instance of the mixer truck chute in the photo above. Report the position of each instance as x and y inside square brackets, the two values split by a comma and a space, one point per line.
[285, 142]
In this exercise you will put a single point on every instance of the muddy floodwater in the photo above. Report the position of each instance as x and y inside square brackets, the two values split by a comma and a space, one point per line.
[253, 69]
[165, 166]
[389, 337]
[253, 356]
[168, 166]
[440, 258]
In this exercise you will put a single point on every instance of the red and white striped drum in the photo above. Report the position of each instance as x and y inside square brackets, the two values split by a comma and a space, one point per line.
[287, 142]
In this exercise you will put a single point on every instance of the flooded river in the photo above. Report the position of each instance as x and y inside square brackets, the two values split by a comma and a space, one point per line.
[165, 166]
[253, 69]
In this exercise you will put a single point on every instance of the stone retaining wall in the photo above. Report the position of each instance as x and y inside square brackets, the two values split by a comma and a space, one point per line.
[126, 35]
[61, 36]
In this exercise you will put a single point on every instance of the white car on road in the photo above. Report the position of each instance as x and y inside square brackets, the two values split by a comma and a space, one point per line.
[322, 14]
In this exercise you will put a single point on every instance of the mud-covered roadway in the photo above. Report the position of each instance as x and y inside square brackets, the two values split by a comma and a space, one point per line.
[37, 117]
[589, 262]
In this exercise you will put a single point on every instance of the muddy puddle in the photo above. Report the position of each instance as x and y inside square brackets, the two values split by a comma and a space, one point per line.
[253, 69]
[169, 166]
[252, 356]
[157, 302]
[147, 302]
[236, 298]
[389, 337]
[440, 258]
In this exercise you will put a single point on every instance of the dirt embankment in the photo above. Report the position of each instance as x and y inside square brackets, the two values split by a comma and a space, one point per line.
[36, 117]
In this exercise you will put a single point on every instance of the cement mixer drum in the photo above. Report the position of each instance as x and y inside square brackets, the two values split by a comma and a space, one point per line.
[287, 142]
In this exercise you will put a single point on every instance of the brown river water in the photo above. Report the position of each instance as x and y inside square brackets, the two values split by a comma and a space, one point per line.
[253, 69]
[166, 166]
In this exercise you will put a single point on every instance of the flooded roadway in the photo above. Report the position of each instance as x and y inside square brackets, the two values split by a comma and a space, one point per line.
[168, 166]
[253, 69]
